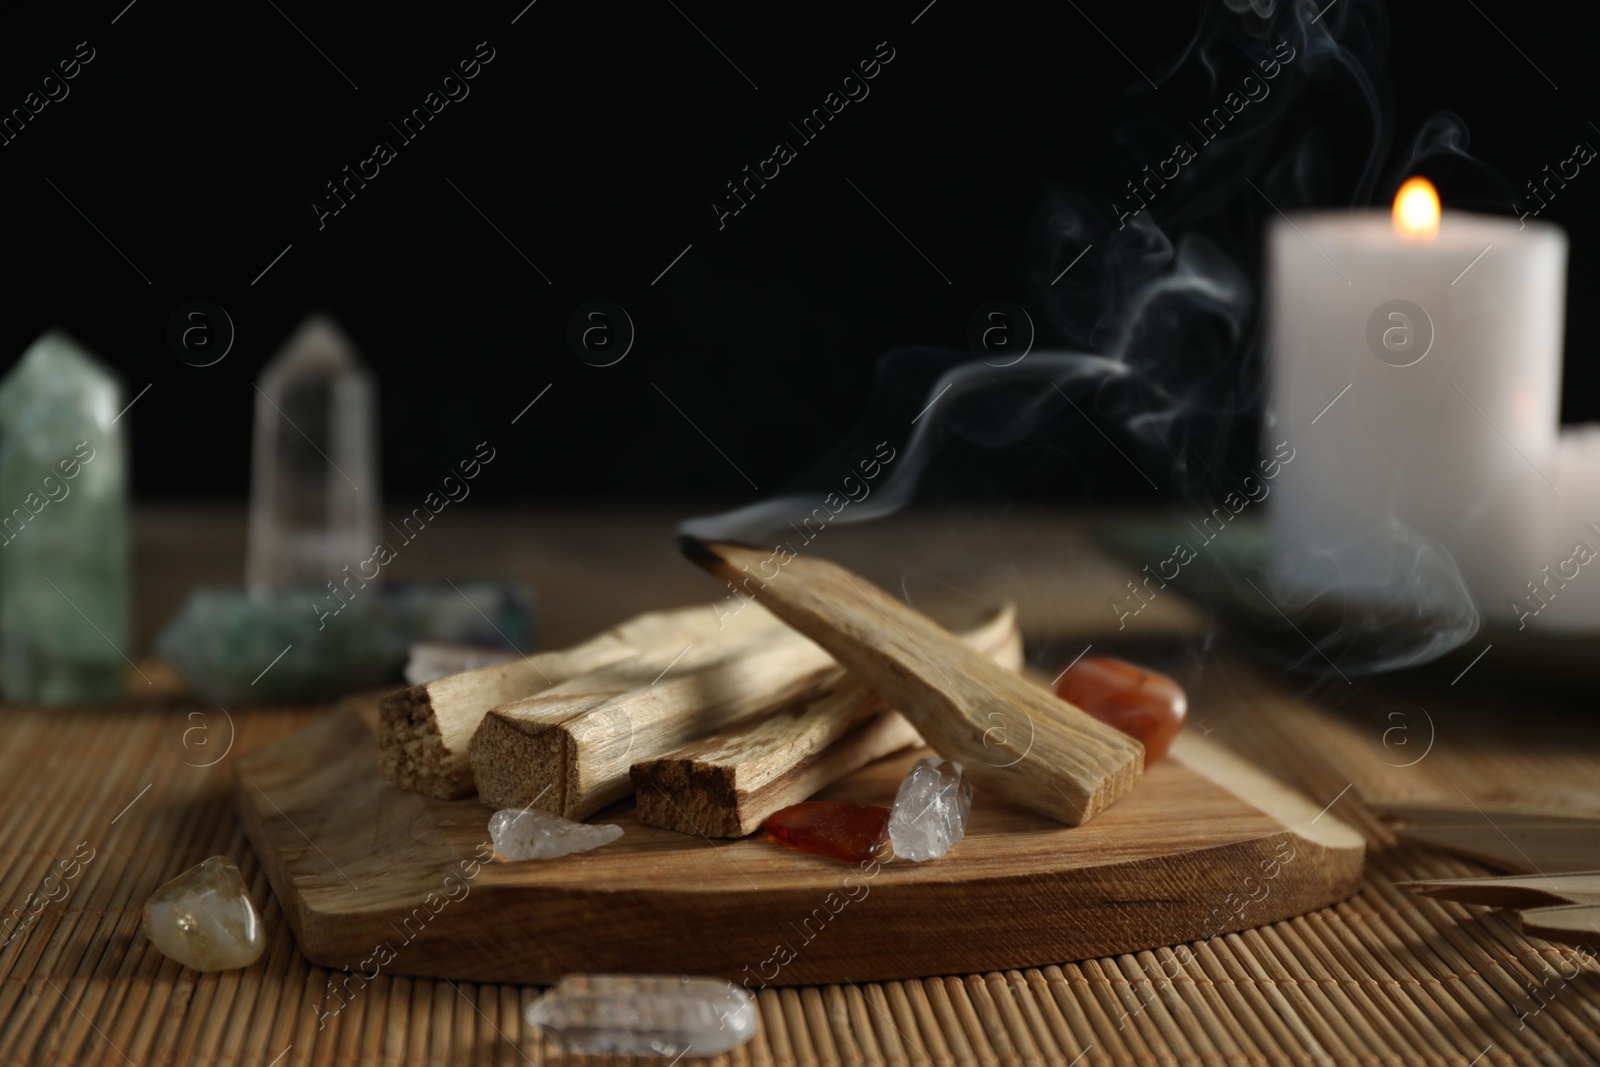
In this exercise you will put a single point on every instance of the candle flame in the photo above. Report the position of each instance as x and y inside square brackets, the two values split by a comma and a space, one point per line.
[1416, 209]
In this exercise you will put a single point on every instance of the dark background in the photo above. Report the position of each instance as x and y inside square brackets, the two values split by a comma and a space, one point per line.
[595, 141]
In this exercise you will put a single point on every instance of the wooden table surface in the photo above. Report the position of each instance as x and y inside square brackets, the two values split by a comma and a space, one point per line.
[1383, 978]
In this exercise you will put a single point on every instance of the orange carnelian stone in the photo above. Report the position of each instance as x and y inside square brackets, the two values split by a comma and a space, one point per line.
[1140, 703]
[849, 832]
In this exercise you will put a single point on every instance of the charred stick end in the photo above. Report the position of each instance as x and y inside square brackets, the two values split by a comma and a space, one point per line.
[699, 552]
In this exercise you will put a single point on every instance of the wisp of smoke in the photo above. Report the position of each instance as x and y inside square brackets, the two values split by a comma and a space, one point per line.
[1161, 341]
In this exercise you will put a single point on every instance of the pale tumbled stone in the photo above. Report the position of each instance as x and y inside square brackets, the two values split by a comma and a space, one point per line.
[930, 810]
[204, 918]
[645, 1015]
[529, 834]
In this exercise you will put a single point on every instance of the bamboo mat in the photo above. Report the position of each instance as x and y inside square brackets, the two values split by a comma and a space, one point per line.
[1384, 978]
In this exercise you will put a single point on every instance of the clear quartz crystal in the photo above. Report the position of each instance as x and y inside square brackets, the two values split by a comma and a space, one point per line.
[64, 615]
[204, 918]
[930, 810]
[645, 1015]
[530, 834]
[314, 495]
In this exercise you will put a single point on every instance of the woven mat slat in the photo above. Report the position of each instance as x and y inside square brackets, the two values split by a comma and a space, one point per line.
[1383, 978]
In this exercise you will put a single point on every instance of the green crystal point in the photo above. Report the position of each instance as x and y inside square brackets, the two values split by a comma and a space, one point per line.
[64, 611]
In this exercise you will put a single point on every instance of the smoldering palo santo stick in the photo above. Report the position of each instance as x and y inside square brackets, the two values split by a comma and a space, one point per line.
[568, 749]
[1015, 739]
[423, 732]
[727, 784]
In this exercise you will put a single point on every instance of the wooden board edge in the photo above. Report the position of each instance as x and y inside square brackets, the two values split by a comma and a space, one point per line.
[1291, 879]
[291, 903]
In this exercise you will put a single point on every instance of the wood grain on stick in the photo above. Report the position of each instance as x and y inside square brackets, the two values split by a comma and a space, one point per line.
[727, 784]
[1511, 837]
[1558, 906]
[568, 749]
[1015, 740]
[423, 731]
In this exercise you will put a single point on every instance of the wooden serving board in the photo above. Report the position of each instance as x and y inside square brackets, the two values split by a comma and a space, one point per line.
[378, 879]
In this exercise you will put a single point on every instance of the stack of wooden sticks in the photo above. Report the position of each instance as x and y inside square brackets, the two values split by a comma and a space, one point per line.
[716, 722]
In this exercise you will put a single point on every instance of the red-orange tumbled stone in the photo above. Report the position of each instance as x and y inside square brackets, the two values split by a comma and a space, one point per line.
[1140, 703]
[849, 832]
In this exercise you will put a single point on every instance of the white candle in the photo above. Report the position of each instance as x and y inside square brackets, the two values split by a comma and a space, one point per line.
[1565, 593]
[1417, 375]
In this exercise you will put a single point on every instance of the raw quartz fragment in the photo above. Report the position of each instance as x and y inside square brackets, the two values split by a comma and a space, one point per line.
[1147, 706]
[204, 918]
[528, 834]
[930, 810]
[645, 1015]
[849, 832]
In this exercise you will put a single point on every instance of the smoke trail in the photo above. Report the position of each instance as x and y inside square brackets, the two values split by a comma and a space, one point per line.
[1160, 338]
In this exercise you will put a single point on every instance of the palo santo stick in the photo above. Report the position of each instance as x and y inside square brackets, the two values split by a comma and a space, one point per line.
[567, 750]
[423, 731]
[1015, 738]
[727, 784]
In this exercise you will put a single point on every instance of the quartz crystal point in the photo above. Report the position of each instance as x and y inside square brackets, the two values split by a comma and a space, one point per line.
[204, 918]
[314, 496]
[645, 1015]
[527, 834]
[853, 833]
[930, 810]
[63, 527]
[1147, 706]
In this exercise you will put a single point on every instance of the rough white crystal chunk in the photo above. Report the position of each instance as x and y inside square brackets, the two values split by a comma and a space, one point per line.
[930, 810]
[528, 834]
[204, 918]
[645, 1015]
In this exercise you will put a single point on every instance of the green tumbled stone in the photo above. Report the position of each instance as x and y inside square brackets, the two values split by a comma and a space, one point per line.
[234, 647]
[64, 618]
